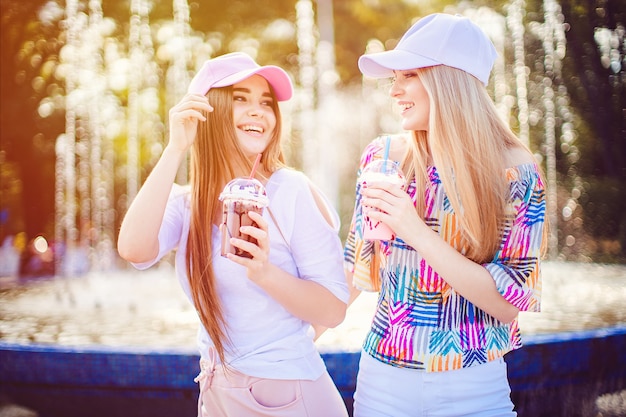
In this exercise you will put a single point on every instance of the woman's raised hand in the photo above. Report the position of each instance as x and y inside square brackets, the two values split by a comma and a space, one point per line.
[184, 118]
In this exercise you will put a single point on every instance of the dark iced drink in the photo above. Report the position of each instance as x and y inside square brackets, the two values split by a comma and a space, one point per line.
[240, 196]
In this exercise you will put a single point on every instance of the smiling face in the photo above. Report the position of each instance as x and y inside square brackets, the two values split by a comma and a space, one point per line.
[253, 114]
[412, 98]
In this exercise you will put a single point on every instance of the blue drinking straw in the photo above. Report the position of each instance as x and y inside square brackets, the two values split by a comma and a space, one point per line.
[386, 153]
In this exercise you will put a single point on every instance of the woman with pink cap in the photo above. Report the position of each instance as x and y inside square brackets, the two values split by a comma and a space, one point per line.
[469, 228]
[255, 339]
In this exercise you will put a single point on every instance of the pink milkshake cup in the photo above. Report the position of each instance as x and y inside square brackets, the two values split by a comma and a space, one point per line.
[239, 197]
[381, 170]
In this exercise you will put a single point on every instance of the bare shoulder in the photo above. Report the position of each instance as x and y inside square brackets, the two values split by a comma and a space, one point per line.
[518, 156]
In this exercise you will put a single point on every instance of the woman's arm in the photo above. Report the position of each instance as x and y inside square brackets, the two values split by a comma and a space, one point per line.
[137, 241]
[468, 278]
[354, 294]
[307, 300]
[138, 237]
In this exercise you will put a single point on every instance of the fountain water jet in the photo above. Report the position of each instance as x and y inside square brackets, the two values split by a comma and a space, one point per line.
[317, 103]
[85, 162]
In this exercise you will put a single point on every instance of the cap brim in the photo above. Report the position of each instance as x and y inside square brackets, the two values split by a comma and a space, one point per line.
[275, 76]
[383, 64]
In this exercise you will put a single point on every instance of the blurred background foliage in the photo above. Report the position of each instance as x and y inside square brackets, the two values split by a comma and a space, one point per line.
[32, 36]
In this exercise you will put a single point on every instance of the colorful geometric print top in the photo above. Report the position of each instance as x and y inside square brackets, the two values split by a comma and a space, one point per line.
[423, 323]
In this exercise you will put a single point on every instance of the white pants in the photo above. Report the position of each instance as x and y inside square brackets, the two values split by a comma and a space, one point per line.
[387, 391]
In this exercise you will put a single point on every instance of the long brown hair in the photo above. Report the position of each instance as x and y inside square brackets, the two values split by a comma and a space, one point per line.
[217, 158]
[467, 141]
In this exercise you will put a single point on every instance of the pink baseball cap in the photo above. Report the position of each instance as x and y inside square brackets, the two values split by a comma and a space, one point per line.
[437, 39]
[231, 68]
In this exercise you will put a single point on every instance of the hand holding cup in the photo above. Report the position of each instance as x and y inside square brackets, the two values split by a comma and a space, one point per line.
[379, 171]
[240, 196]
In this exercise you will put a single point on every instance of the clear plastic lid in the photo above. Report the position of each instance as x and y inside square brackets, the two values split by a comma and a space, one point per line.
[382, 170]
[245, 189]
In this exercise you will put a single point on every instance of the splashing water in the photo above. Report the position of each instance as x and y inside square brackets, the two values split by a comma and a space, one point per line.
[148, 308]
[86, 169]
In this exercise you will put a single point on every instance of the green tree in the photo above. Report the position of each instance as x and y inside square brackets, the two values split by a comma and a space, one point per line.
[595, 68]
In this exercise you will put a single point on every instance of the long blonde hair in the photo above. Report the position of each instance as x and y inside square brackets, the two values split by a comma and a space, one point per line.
[467, 141]
[216, 158]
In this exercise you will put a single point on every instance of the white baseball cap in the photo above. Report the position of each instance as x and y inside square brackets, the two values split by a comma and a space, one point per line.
[232, 68]
[437, 39]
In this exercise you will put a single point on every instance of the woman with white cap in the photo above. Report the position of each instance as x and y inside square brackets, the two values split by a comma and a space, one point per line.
[255, 340]
[469, 233]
